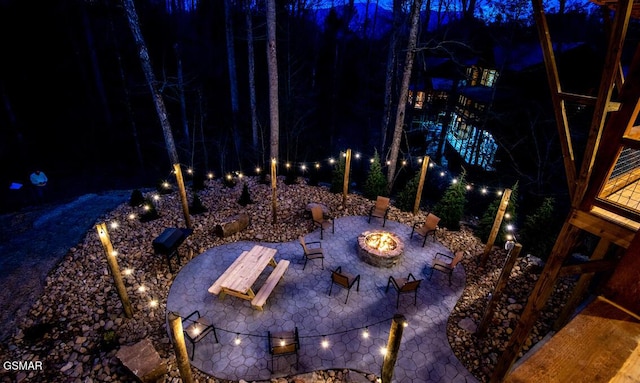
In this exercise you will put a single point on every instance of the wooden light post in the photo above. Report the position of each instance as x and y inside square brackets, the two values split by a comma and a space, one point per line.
[183, 195]
[180, 348]
[504, 202]
[423, 173]
[393, 345]
[112, 262]
[274, 199]
[512, 256]
[345, 184]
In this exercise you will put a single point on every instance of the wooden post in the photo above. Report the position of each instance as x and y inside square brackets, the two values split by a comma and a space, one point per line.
[537, 299]
[512, 256]
[423, 173]
[580, 288]
[112, 262]
[504, 202]
[274, 199]
[345, 185]
[180, 348]
[183, 195]
[393, 345]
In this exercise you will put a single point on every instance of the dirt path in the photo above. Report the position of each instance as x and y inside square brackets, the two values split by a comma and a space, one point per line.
[34, 240]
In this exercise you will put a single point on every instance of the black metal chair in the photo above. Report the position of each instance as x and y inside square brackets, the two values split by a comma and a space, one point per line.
[283, 343]
[405, 285]
[345, 280]
[196, 329]
[312, 252]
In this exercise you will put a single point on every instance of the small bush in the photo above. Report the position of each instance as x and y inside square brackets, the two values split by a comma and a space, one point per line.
[486, 221]
[450, 208]
[290, 178]
[376, 183]
[196, 206]
[540, 230]
[198, 182]
[137, 199]
[245, 197]
[337, 176]
[407, 196]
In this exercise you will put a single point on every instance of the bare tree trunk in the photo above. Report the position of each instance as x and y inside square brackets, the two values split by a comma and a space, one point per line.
[233, 81]
[390, 73]
[145, 61]
[183, 103]
[272, 66]
[404, 91]
[252, 78]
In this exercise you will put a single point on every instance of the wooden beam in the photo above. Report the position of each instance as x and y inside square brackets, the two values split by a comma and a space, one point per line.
[495, 229]
[423, 173]
[618, 125]
[587, 100]
[609, 74]
[587, 267]
[580, 289]
[562, 122]
[618, 209]
[537, 300]
[602, 228]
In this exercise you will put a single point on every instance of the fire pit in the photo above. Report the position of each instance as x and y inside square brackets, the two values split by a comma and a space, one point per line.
[380, 248]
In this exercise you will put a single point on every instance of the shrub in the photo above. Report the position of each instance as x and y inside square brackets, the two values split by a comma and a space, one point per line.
[137, 199]
[486, 222]
[407, 196]
[245, 197]
[337, 176]
[198, 181]
[540, 230]
[376, 183]
[291, 178]
[196, 206]
[450, 208]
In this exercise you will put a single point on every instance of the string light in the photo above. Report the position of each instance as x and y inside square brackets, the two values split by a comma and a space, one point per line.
[132, 216]
[156, 197]
[114, 253]
[190, 171]
[383, 350]
[258, 170]
[128, 271]
[365, 333]
[237, 339]
[210, 175]
[142, 289]
[324, 343]
[114, 224]
[153, 303]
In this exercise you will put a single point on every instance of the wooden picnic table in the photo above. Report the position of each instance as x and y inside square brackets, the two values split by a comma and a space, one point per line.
[240, 276]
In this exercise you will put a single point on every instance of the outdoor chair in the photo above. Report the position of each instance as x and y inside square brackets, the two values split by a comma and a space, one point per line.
[446, 267]
[196, 329]
[430, 226]
[345, 280]
[319, 220]
[405, 285]
[283, 343]
[312, 252]
[380, 209]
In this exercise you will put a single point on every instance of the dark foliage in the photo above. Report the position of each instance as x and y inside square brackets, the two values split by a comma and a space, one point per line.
[149, 212]
[196, 206]
[229, 181]
[337, 176]
[198, 181]
[407, 196]
[290, 177]
[376, 183]
[486, 222]
[245, 197]
[540, 230]
[450, 208]
[136, 199]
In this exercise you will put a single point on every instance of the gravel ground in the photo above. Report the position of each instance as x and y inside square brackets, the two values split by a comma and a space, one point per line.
[68, 321]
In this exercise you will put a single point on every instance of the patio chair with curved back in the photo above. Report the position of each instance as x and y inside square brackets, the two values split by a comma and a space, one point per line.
[345, 280]
[283, 343]
[430, 226]
[443, 266]
[312, 252]
[405, 285]
[319, 220]
[380, 209]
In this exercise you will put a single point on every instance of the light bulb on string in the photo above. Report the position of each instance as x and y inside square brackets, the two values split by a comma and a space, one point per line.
[371, 160]
[317, 165]
[258, 170]
[210, 175]
[365, 333]
[332, 161]
[383, 350]
[189, 171]
[324, 343]
[237, 339]
[357, 156]
[114, 224]
[132, 216]
[153, 303]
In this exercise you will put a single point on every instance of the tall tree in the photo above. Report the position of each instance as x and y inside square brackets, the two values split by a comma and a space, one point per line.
[272, 67]
[233, 80]
[390, 72]
[404, 91]
[252, 77]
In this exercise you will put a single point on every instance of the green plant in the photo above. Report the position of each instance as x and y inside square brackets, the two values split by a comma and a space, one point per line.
[149, 211]
[109, 340]
[137, 199]
[290, 178]
[407, 196]
[245, 197]
[376, 183]
[337, 176]
[196, 206]
[450, 208]
[486, 221]
[540, 230]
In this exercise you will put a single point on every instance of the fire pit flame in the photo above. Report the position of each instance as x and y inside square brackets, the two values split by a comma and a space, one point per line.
[381, 241]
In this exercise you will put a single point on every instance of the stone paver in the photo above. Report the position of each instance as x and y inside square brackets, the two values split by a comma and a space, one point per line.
[301, 299]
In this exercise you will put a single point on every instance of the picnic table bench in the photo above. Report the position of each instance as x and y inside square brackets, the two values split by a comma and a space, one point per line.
[241, 275]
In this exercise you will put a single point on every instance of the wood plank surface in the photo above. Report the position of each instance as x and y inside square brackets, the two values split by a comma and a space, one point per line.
[252, 264]
[601, 344]
[217, 285]
[266, 289]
